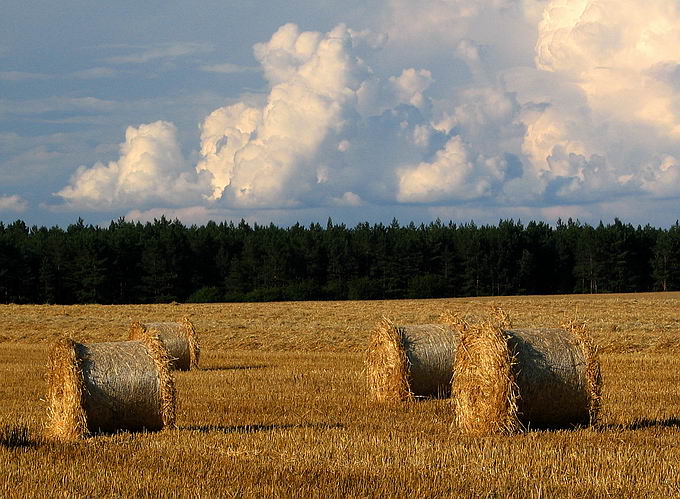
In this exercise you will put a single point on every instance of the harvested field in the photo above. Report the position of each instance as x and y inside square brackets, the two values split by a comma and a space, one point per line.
[280, 408]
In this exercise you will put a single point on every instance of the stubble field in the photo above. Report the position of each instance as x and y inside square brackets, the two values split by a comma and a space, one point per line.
[280, 408]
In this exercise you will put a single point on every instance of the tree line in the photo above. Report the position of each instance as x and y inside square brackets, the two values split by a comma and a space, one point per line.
[163, 261]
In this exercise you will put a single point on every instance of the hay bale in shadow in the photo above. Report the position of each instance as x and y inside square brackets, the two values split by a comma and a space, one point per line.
[405, 362]
[179, 338]
[109, 387]
[508, 380]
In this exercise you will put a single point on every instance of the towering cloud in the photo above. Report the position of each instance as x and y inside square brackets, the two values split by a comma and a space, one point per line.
[520, 103]
[264, 157]
[611, 120]
[325, 117]
[150, 170]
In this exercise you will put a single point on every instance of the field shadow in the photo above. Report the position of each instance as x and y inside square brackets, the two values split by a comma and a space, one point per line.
[16, 437]
[234, 368]
[642, 424]
[256, 428]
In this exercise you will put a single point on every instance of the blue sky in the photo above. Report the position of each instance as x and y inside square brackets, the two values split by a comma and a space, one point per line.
[301, 110]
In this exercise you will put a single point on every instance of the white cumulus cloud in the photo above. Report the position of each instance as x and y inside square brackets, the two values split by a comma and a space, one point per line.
[456, 174]
[295, 148]
[611, 115]
[261, 156]
[150, 169]
[517, 104]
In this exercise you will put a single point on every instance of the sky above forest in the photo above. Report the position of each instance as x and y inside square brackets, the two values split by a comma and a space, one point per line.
[300, 110]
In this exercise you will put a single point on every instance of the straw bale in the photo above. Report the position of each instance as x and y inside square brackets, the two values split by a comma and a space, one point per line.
[109, 387]
[509, 380]
[179, 338]
[411, 361]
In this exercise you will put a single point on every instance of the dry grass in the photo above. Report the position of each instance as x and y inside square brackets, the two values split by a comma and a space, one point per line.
[280, 408]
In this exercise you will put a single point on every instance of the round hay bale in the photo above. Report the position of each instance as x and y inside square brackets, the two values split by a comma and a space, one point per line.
[509, 380]
[179, 338]
[406, 362]
[109, 387]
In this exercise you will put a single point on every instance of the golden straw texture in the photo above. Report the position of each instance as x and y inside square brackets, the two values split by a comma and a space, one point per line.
[593, 373]
[179, 338]
[406, 362]
[109, 387]
[484, 390]
[65, 413]
[507, 380]
[386, 364]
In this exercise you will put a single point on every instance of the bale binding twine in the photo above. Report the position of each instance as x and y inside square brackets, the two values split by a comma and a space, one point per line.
[109, 387]
[507, 380]
[179, 338]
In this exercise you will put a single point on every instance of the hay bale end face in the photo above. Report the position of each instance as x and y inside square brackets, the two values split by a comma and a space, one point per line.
[179, 338]
[509, 380]
[109, 387]
[406, 362]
